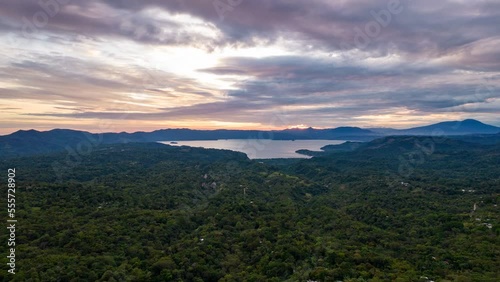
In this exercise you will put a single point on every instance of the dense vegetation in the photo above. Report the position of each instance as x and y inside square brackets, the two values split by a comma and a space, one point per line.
[31, 142]
[396, 209]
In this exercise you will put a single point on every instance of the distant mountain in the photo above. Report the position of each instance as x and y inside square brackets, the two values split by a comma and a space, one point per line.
[468, 126]
[31, 142]
[385, 130]
[339, 133]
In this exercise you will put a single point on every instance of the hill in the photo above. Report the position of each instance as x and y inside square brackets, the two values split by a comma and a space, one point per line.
[153, 212]
[468, 126]
[32, 142]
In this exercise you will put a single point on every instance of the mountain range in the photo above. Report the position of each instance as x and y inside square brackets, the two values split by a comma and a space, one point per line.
[30, 142]
[464, 127]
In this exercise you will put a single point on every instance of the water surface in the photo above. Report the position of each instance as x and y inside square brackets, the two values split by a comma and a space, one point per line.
[260, 148]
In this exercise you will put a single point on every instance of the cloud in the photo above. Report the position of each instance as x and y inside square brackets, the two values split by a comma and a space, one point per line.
[418, 27]
[325, 61]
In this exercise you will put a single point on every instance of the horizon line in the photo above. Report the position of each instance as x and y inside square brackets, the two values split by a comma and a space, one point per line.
[239, 129]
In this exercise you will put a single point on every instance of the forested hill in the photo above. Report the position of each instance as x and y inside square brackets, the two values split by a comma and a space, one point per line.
[32, 142]
[151, 212]
[417, 144]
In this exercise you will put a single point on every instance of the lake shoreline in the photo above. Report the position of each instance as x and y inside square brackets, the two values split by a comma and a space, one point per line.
[260, 148]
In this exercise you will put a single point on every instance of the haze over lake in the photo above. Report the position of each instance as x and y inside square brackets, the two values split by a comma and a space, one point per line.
[260, 148]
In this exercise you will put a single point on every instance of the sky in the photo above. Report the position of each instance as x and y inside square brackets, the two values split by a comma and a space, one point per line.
[141, 65]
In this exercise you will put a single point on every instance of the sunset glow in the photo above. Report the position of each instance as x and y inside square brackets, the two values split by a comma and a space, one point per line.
[148, 65]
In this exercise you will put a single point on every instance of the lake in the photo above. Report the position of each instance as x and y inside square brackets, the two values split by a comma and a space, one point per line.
[260, 148]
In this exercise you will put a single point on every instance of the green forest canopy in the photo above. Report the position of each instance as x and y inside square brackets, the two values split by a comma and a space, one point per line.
[394, 210]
